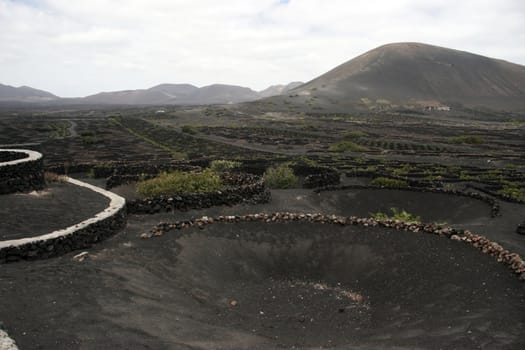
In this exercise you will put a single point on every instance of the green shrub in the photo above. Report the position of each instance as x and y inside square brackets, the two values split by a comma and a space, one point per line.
[50, 177]
[281, 176]
[180, 182]
[303, 160]
[403, 171]
[89, 140]
[354, 135]
[469, 139]
[387, 182]
[188, 129]
[513, 192]
[466, 176]
[223, 166]
[310, 127]
[399, 215]
[345, 146]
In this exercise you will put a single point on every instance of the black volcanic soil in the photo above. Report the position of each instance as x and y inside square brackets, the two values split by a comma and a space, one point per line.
[57, 207]
[293, 285]
[456, 211]
[296, 284]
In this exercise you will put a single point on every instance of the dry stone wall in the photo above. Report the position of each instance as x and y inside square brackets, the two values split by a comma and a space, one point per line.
[494, 205]
[20, 171]
[79, 236]
[512, 260]
[242, 188]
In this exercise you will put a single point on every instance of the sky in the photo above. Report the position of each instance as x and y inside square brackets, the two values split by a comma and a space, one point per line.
[77, 48]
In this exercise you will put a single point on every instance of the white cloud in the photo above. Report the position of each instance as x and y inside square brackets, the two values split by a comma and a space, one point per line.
[75, 48]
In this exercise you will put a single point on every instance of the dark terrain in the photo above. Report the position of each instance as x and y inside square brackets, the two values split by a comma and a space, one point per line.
[294, 285]
[255, 285]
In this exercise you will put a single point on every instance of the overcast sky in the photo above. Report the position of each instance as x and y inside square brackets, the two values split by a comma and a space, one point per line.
[77, 48]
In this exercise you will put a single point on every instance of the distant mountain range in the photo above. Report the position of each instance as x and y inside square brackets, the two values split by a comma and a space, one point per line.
[275, 90]
[164, 94]
[24, 94]
[391, 76]
[405, 74]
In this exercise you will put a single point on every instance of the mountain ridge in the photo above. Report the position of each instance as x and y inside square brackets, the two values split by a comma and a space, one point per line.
[166, 93]
[412, 73]
[24, 93]
[396, 75]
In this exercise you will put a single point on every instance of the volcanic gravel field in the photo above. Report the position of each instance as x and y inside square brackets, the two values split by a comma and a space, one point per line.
[254, 285]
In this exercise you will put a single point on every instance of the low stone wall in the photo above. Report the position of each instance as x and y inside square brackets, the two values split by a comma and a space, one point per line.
[494, 205]
[493, 191]
[324, 178]
[511, 260]
[79, 236]
[8, 156]
[20, 171]
[107, 169]
[243, 188]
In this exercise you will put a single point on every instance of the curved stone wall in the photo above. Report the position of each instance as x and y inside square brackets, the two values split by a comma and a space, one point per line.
[20, 171]
[79, 236]
[494, 205]
[511, 260]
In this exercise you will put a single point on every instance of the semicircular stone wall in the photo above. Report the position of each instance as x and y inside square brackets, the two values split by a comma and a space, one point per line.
[20, 171]
[79, 236]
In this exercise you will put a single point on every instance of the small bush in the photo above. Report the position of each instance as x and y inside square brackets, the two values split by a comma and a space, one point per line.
[223, 166]
[89, 140]
[354, 135]
[469, 139]
[403, 171]
[399, 215]
[345, 146]
[310, 127]
[517, 193]
[281, 176]
[50, 177]
[387, 182]
[180, 182]
[188, 129]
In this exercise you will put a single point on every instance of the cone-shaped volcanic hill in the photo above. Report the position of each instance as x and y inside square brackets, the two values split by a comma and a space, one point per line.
[417, 74]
